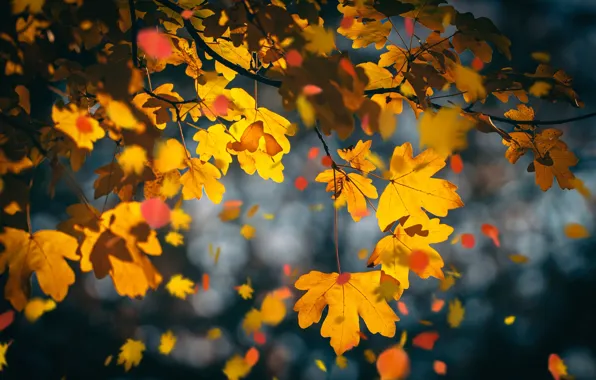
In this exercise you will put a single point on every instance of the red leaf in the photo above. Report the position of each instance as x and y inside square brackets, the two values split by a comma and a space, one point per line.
[156, 212]
[492, 232]
[437, 305]
[426, 340]
[186, 14]
[252, 356]
[418, 261]
[287, 269]
[154, 43]
[468, 241]
[294, 58]
[393, 363]
[6, 319]
[311, 89]
[259, 338]
[440, 367]
[347, 66]
[326, 161]
[456, 163]
[556, 366]
[401, 306]
[301, 183]
[205, 282]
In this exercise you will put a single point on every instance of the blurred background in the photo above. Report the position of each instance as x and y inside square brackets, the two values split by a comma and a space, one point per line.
[553, 295]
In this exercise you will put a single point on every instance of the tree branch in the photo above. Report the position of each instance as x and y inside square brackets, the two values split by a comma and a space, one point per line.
[133, 33]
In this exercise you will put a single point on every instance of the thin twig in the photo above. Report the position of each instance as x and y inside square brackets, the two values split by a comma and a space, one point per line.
[133, 32]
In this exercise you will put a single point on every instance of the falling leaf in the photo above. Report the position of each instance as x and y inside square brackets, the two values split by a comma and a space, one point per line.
[174, 238]
[306, 111]
[311, 89]
[221, 105]
[425, 340]
[259, 338]
[320, 365]
[456, 163]
[362, 253]
[156, 44]
[108, 360]
[477, 64]
[401, 306]
[180, 287]
[456, 313]
[6, 319]
[156, 212]
[3, 349]
[36, 307]
[468, 241]
[247, 231]
[43, 253]
[393, 363]
[576, 231]
[326, 161]
[167, 341]
[556, 367]
[409, 26]
[320, 40]
[294, 58]
[169, 156]
[509, 320]
[492, 232]
[518, 259]
[236, 368]
[540, 89]
[348, 296]
[437, 305]
[245, 290]
[214, 333]
[411, 187]
[131, 354]
[469, 81]
[133, 159]
[252, 356]
[370, 356]
[440, 367]
[179, 219]
[252, 321]
[301, 183]
[541, 56]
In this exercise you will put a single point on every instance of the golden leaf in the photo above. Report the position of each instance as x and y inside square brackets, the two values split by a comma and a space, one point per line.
[131, 354]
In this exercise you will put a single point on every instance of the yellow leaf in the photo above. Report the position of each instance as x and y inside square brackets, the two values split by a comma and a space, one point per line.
[576, 231]
[180, 287]
[120, 113]
[348, 296]
[133, 159]
[33, 6]
[170, 186]
[167, 341]
[509, 320]
[252, 321]
[245, 290]
[213, 142]
[456, 313]
[306, 111]
[170, 155]
[108, 361]
[131, 354]
[362, 253]
[540, 89]
[541, 56]
[43, 253]
[247, 231]
[36, 307]
[214, 333]
[469, 81]
[387, 123]
[78, 125]
[522, 113]
[416, 234]
[320, 365]
[358, 156]
[365, 34]
[352, 189]
[378, 77]
[444, 131]
[12, 208]
[3, 349]
[273, 310]
[518, 259]
[411, 187]
[119, 248]
[320, 40]
[370, 356]
[179, 219]
[202, 175]
[174, 238]
[236, 368]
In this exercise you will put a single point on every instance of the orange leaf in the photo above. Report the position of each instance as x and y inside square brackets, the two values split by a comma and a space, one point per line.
[301, 183]
[456, 163]
[576, 231]
[401, 306]
[6, 319]
[556, 366]
[393, 363]
[419, 260]
[311, 89]
[205, 282]
[437, 305]
[326, 161]
[294, 58]
[259, 338]
[313, 153]
[426, 340]
[252, 356]
[251, 137]
[221, 104]
[492, 232]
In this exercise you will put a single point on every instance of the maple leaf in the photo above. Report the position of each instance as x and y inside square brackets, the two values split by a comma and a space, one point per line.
[444, 131]
[522, 113]
[469, 81]
[351, 188]
[133, 159]
[416, 234]
[78, 125]
[320, 40]
[348, 296]
[411, 187]
[131, 354]
[557, 367]
[202, 175]
[245, 290]
[358, 156]
[43, 253]
[119, 248]
[213, 142]
[180, 287]
[174, 238]
[169, 156]
[180, 219]
[365, 34]
[236, 368]
[3, 349]
[456, 313]
[167, 341]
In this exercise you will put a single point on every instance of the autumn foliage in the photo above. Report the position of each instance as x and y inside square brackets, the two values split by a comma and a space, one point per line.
[98, 65]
